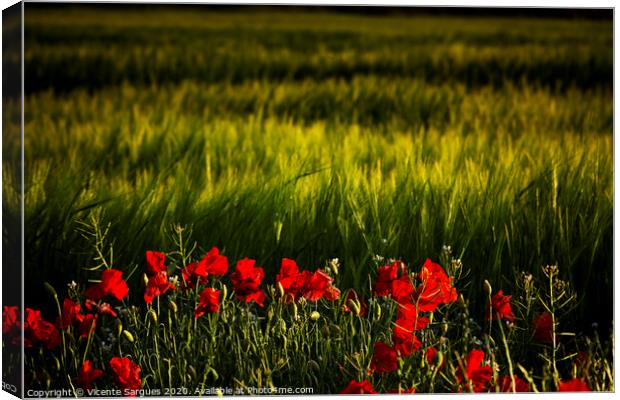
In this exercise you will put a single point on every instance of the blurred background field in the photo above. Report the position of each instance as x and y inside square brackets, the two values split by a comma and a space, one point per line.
[316, 133]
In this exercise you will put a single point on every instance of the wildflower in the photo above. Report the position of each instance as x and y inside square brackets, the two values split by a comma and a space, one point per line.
[191, 276]
[384, 358]
[500, 306]
[543, 328]
[405, 342]
[38, 330]
[246, 280]
[476, 374]
[385, 275]
[88, 374]
[410, 312]
[10, 320]
[102, 308]
[402, 289]
[316, 287]
[435, 288]
[158, 284]
[111, 284]
[332, 293]
[209, 302]
[573, 385]
[70, 314]
[212, 264]
[155, 262]
[88, 325]
[505, 384]
[127, 373]
[310, 285]
[355, 387]
[289, 279]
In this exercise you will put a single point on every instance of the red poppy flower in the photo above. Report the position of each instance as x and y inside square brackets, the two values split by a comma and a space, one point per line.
[158, 284]
[10, 320]
[543, 328]
[88, 325]
[88, 374]
[209, 302]
[405, 342]
[402, 289]
[384, 358]
[435, 288]
[191, 276]
[385, 275]
[431, 354]
[355, 387]
[573, 385]
[505, 384]
[155, 262]
[500, 306]
[476, 374]
[38, 330]
[317, 286]
[70, 314]
[246, 280]
[410, 312]
[288, 276]
[127, 373]
[102, 308]
[106, 309]
[353, 296]
[111, 284]
[332, 293]
[212, 264]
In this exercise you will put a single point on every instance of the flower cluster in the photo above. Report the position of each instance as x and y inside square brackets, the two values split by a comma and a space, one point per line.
[312, 286]
[430, 288]
[417, 303]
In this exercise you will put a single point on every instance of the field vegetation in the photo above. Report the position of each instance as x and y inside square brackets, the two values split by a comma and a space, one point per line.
[315, 135]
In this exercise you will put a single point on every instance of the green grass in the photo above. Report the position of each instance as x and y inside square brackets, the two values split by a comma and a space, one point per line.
[314, 136]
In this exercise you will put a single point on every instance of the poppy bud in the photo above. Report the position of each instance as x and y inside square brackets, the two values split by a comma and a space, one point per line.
[355, 306]
[270, 314]
[128, 336]
[315, 316]
[173, 306]
[487, 287]
[119, 328]
[50, 289]
[294, 310]
[145, 280]
[283, 326]
[224, 292]
[439, 358]
[153, 315]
